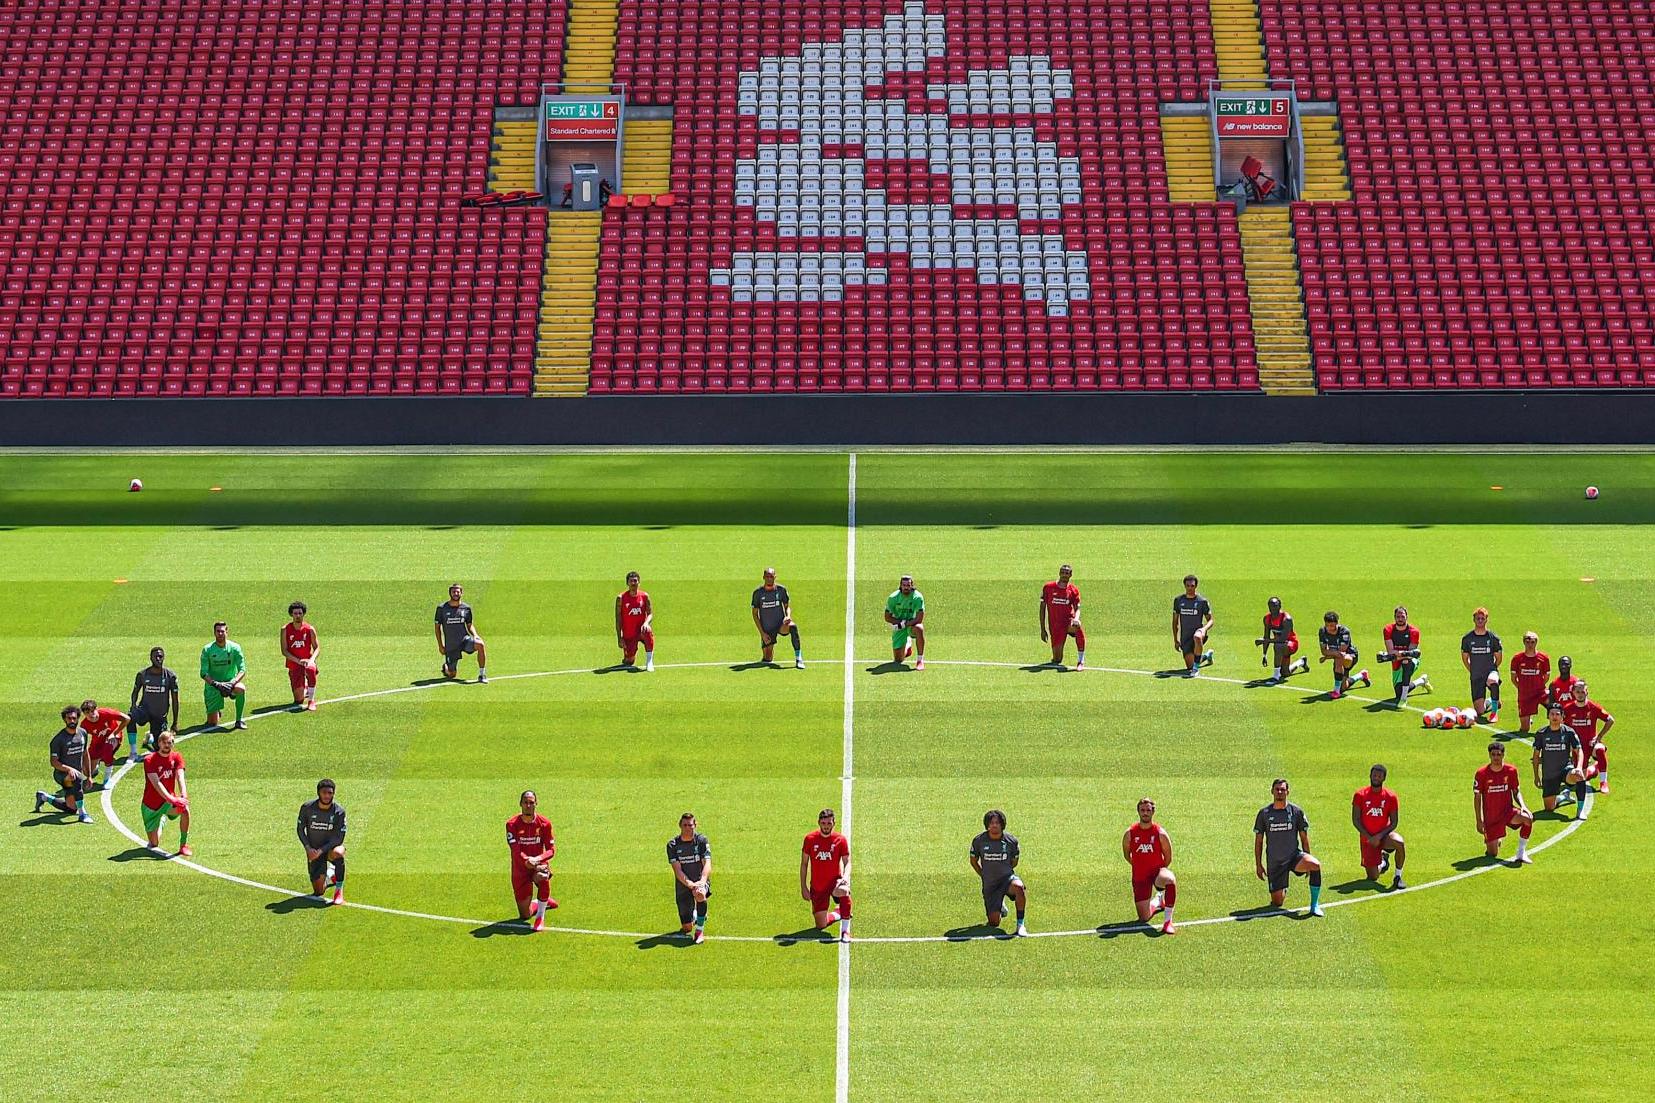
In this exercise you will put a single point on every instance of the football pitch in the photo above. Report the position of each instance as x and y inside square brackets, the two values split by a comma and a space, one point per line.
[129, 976]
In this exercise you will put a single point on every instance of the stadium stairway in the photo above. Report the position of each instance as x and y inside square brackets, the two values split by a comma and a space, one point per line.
[589, 43]
[647, 166]
[1238, 37]
[1276, 301]
[568, 297]
[511, 156]
[1186, 142]
[1326, 175]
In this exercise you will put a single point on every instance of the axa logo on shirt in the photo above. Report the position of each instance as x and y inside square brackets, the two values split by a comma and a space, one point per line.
[823, 855]
[809, 187]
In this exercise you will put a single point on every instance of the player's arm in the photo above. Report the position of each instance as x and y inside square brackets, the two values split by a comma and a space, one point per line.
[1477, 807]
[804, 874]
[548, 854]
[471, 626]
[976, 862]
[315, 648]
[649, 611]
[1498, 655]
[281, 637]
[182, 787]
[440, 641]
[1465, 659]
[1126, 844]
[1258, 853]
[1577, 758]
[1206, 623]
[618, 599]
[1304, 840]
[1536, 760]
[1040, 619]
[241, 668]
[1177, 637]
[1356, 819]
[173, 690]
[890, 617]
[155, 780]
[678, 872]
[304, 839]
[844, 866]
[706, 865]
[206, 672]
[1608, 722]
[1166, 848]
[137, 688]
[757, 623]
[63, 767]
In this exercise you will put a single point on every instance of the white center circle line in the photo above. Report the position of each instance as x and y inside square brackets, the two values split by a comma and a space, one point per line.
[1093, 932]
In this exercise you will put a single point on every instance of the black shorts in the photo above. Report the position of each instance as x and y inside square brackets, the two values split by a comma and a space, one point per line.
[78, 787]
[686, 900]
[772, 633]
[1186, 643]
[1552, 785]
[1280, 873]
[994, 895]
[1479, 685]
[141, 718]
[319, 866]
[452, 655]
[1353, 653]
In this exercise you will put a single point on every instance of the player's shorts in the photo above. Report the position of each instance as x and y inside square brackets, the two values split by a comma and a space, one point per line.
[1589, 761]
[213, 699]
[821, 900]
[1280, 873]
[1479, 685]
[1353, 654]
[1495, 830]
[1371, 855]
[1290, 645]
[318, 866]
[103, 749]
[141, 718]
[995, 893]
[1186, 643]
[468, 646]
[64, 784]
[154, 816]
[1552, 784]
[1143, 888]
[899, 639]
[523, 884]
[686, 900]
[299, 677]
[1530, 703]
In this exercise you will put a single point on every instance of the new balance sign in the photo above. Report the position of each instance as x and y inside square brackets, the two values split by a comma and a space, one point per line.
[1263, 116]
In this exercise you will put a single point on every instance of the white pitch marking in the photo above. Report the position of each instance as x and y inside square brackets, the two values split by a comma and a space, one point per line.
[841, 1078]
[120, 825]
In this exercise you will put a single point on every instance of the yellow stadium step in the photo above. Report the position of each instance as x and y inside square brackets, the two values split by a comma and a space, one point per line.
[589, 43]
[1326, 173]
[511, 156]
[648, 165]
[568, 296]
[1187, 143]
[1238, 38]
[1280, 335]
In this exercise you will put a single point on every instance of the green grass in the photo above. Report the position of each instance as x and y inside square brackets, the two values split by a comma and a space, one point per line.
[1501, 985]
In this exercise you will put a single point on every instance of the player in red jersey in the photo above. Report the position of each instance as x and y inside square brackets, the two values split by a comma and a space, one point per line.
[633, 618]
[1148, 848]
[824, 875]
[1060, 617]
[1375, 812]
[529, 837]
[1582, 714]
[1497, 801]
[1529, 670]
[299, 649]
[1279, 643]
[103, 728]
[166, 795]
[1562, 688]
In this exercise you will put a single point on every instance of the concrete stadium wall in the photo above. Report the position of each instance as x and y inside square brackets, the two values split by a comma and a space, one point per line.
[983, 419]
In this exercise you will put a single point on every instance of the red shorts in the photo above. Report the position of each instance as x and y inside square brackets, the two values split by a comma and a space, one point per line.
[1495, 829]
[523, 883]
[1372, 855]
[103, 749]
[1059, 626]
[1143, 888]
[1529, 703]
[1293, 645]
[821, 900]
[298, 677]
[1589, 761]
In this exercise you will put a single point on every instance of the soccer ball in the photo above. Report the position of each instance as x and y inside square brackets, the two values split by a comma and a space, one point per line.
[1432, 719]
[1468, 717]
[1591, 494]
[135, 486]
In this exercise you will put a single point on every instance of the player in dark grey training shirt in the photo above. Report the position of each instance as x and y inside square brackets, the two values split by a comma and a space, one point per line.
[994, 855]
[773, 615]
[691, 858]
[154, 702]
[1192, 621]
[71, 768]
[1281, 847]
[1558, 761]
[456, 636]
[1480, 652]
[322, 831]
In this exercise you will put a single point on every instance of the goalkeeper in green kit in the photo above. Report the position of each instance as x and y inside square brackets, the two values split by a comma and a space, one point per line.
[905, 613]
[223, 674]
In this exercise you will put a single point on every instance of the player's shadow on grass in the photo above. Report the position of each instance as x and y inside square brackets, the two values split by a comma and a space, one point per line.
[140, 854]
[1382, 706]
[45, 819]
[1357, 885]
[1045, 668]
[618, 668]
[431, 681]
[1479, 861]
[807, 934]
[503, 927]
[757, 664]
[1128, 926]
[1266, 911]
[676, 940]
[290, 904]
[977, 932]
[1174, 672]
[268, 709]
[890, 668]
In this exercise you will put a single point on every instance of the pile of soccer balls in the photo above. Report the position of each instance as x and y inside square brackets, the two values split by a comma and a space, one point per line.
[1449, 717]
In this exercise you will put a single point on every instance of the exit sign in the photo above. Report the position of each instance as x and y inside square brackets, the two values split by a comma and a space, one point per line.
[1260, 116]
[574, 120]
